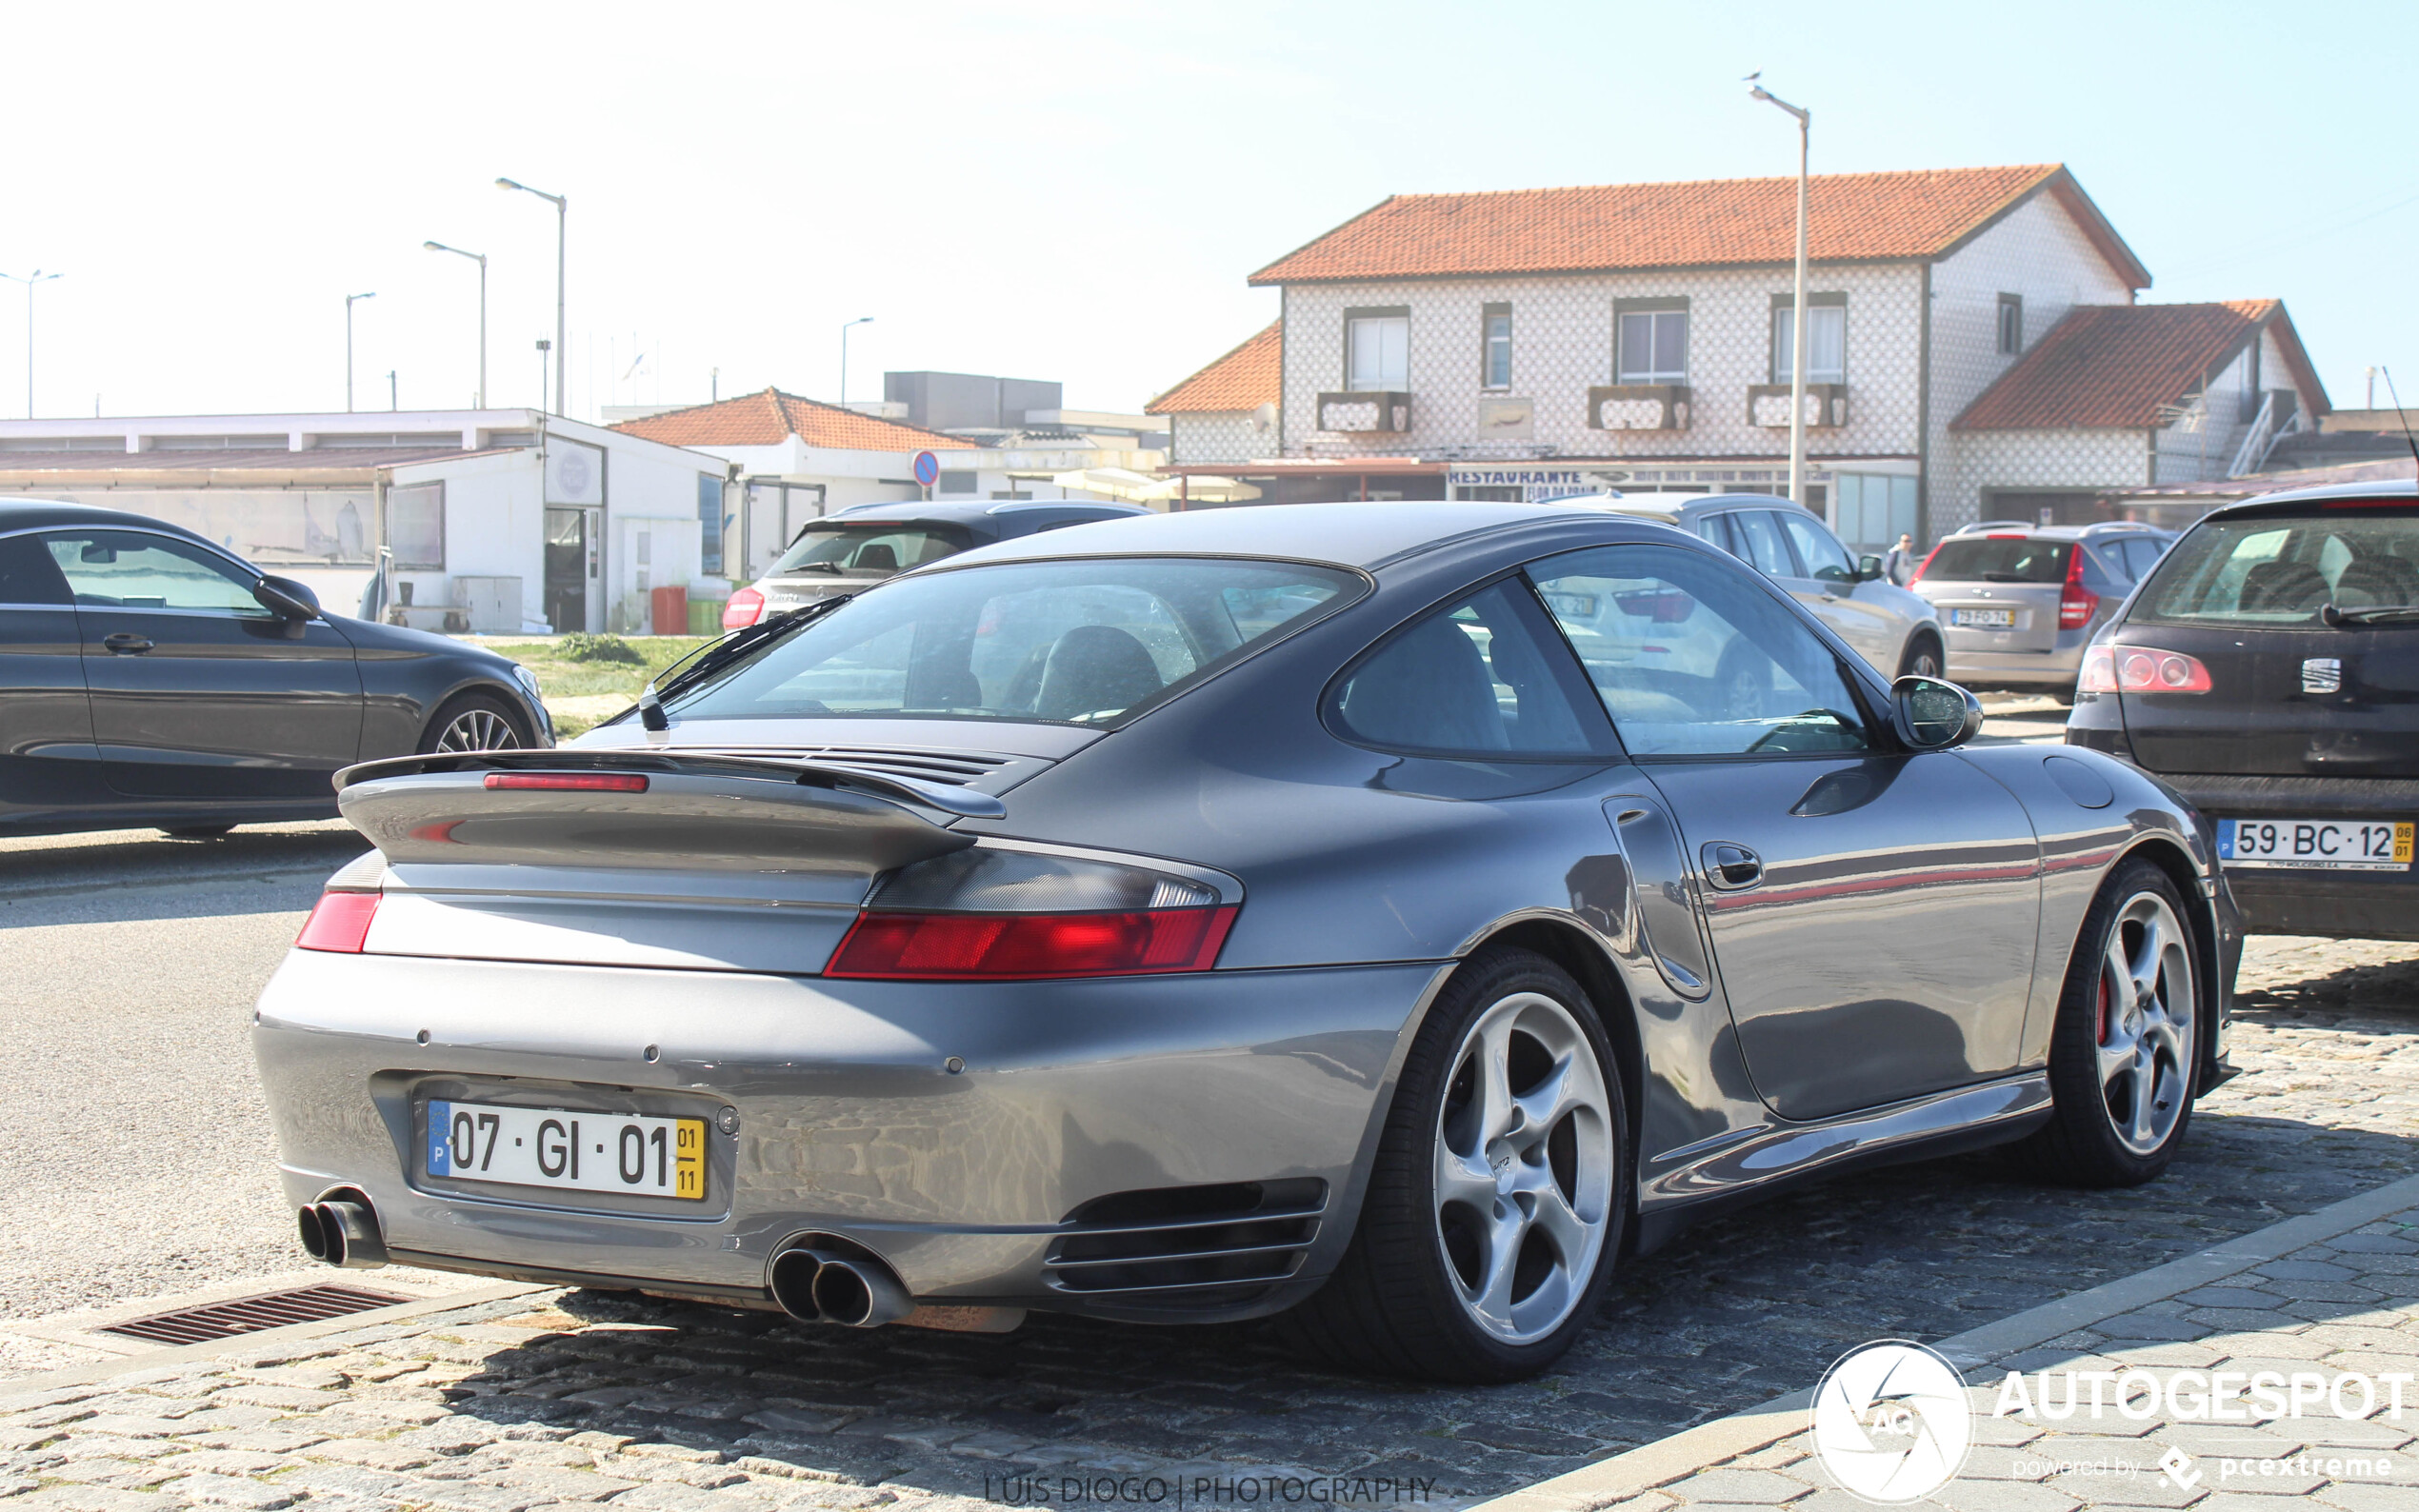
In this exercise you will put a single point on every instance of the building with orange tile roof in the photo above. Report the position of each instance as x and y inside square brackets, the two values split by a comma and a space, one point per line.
[1540, 343]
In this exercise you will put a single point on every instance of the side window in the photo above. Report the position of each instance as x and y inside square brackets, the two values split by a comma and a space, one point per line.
[1479, 678]
[125, 569]
[2141, 554]
[1691, 657]
[2095, 575]
[1759, 533]
[28, 575]
[1825, 558]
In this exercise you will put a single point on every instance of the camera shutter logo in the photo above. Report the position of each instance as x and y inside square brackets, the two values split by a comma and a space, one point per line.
[1892, 1422]
[2323, 674]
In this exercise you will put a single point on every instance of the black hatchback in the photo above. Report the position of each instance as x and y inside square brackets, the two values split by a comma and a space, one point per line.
[150, 679]
[2269, 671]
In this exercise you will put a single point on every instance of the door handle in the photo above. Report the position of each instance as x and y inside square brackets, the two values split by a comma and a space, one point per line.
[1731, 867]
[127, 644]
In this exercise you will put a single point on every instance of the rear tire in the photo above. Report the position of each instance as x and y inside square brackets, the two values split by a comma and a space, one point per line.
[2124, 1050]
[476, 721]
[1500, 1193]
[1923, 658]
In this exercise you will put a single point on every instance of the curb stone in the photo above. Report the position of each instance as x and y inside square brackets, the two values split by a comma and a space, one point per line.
[1668, 1459]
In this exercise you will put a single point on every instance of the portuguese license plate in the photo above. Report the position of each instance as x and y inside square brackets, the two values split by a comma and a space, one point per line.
[568, 1151]
[2332, 845]
[1984, 619]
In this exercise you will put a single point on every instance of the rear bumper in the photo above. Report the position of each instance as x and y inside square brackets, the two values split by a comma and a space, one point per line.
[2053, 669]
[849, 1121]
[2337, 905]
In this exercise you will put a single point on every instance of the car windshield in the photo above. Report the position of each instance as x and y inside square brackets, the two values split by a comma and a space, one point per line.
[2271, 571]
[1075, 642]
[1999, 559]
[875, 547]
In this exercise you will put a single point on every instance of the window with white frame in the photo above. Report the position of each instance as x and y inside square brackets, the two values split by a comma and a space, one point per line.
[1826, 338]
[1377, 346]
[1654, 345]
[1495, 346]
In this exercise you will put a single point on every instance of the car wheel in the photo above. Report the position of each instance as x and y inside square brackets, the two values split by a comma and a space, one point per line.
[1742, 682]
[1500, 1190]
[2124, 1048]
[197, 831]
[1923, 658]
[476, 721]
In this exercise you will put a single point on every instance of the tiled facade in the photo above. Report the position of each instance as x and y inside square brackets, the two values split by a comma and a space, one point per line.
[1563, 344]
[2029, 460]
[1218, 435]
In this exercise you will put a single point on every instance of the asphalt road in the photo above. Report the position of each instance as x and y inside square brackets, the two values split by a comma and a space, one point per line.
[140, 1153]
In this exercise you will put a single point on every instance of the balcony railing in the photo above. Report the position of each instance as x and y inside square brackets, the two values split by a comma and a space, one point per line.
[1365, 411]
[1768, 404]
[1638, 406]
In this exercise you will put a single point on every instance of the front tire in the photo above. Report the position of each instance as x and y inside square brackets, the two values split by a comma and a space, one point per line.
[476, 721]
[1500, 1191]
[2125, 1049]
[1923, 658]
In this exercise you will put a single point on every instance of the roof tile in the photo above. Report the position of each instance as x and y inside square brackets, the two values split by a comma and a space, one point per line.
[1244, 378]
[1705, 224]
[770, 418]
[2112, 366]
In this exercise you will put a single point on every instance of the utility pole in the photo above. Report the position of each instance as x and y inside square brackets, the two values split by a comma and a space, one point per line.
[1797, 311]
[543, 347]
[350, 300]
[562, 204]
[391, 391]
[28, 280]
[480, 258]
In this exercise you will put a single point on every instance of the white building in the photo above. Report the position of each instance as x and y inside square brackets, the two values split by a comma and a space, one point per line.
[505, 519]
[1539, 343]
[794, 459]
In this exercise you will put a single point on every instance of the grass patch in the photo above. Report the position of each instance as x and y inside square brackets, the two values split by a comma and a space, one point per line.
[562, 673]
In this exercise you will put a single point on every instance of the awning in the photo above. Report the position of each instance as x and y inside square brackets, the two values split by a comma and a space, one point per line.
[1140, 488]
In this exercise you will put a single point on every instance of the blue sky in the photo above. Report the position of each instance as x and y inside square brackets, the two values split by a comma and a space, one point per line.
[1063, 191]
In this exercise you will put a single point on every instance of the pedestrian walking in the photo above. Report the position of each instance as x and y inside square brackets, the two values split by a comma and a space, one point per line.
[1899, 563]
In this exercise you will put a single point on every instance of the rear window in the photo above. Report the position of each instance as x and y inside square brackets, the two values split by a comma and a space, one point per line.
[1999, 559]
[871, 547]
[1077, 642]
[2285, 571]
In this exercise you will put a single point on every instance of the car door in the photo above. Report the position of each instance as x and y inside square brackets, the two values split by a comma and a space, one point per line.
[1871, 910]
[48, 760]
[1829, 588]
[198, 693]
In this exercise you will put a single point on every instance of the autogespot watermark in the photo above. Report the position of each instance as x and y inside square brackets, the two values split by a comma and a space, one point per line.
[1892, 1421]
[1208, 1490]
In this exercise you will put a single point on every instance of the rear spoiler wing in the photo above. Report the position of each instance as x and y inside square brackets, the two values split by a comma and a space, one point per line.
[957, 803]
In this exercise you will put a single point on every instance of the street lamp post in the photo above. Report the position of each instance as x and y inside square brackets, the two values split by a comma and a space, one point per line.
[28, 280]
[1797, 306]
[543, 347]
[844, 355]
[348, 303]
[562, 204]
[480, 258]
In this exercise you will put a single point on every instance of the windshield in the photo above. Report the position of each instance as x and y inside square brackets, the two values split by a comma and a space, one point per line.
[870, 548]
[1076, 642]
[2285, 571]
[1999, 559]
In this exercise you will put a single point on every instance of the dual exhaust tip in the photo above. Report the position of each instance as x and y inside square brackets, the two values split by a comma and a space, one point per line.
[821, 1286]
[341, 1233]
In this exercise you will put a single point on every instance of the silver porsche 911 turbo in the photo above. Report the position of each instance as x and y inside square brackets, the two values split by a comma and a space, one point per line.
[1385, 915]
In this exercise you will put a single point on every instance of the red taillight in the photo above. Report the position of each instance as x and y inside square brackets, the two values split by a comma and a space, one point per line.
[2140, 669]
[2076, 603]
[340, 921]
[743, 608]
[572, 782]
[1003, 946]
[1926, 566]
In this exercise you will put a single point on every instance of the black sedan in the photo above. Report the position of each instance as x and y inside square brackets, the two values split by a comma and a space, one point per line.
[2269, 671]
[150, 679]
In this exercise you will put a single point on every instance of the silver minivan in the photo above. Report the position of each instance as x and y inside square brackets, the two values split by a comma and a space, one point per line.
[2022, 601]
[1891, 627]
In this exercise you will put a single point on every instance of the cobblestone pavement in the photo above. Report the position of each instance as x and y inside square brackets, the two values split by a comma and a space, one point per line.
[668, 1409]
[2346, 1308]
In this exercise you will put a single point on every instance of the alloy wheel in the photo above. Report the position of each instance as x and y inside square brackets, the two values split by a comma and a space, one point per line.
[1524, 1155]
[1925, 663]
[2145, 1024]
[478, 729]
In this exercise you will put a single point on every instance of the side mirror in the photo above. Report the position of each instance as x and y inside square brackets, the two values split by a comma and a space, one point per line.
[1933, 715]
[1868, 569]
[287, 599]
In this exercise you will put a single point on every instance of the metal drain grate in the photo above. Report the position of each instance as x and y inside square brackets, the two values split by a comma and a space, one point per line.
[249, 1315]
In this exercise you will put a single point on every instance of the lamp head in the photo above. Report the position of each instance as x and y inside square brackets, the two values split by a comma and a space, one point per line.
[1757, 93]
[434, 246]
[506, 184]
